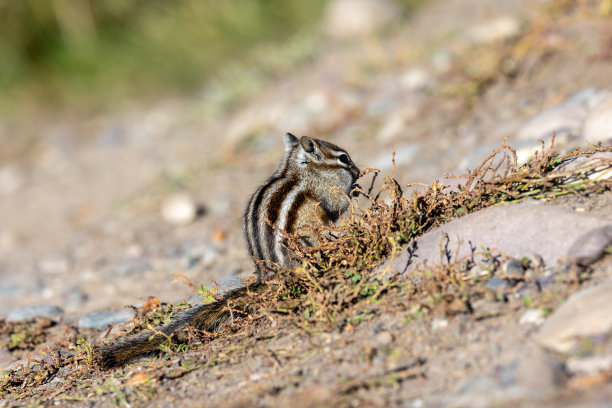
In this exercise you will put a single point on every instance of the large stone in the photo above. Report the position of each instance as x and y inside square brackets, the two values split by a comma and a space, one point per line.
[586, 313]
[566, 118]
[598, 125]
[591, 246]
[514, 229]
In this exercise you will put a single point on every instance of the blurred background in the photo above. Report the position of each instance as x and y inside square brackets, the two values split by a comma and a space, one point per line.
[88, 54]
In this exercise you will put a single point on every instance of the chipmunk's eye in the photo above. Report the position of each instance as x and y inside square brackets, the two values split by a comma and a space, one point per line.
[344, 159]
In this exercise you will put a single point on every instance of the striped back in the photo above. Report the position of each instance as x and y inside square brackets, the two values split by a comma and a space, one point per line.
[311, 173]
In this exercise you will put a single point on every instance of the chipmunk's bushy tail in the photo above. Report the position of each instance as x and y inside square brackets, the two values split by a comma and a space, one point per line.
[208, 317]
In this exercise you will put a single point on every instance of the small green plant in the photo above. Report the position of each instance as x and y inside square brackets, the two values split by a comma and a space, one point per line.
[208, 295]
[84, 351]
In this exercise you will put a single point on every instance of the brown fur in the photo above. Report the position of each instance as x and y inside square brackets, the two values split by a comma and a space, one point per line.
[209, 317]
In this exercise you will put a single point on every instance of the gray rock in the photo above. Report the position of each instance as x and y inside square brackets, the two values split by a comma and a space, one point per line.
[598, 125]
[514, 229]
[513, 267]
[101, 320]
[496, 283]
[566, 117]
[561, 119]
[591, 246]
[29, 312]
[586, 313]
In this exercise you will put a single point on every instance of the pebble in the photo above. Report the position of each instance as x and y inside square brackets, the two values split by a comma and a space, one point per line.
[535, 260]
[438, 324]
[532, 316]
[487, 308]
[497, 283]
[586, 313]
[513, 267]
[499, 29]
[357, 18]
[589, 365]
[30, 312]
[591, 246]
[101, 320]
[179, 209]
[598, 124]
[416, 80]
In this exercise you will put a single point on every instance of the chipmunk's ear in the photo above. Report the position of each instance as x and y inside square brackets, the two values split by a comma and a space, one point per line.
[309, 145]
[290, 141]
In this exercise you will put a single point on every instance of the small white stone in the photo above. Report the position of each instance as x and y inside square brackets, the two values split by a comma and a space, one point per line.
[179, 209]
[438, 324]
[502, 28]
[355, 18]
[416, 80]
[532, 316]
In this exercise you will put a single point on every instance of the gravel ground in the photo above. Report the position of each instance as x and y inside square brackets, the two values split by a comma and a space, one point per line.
[105, 211]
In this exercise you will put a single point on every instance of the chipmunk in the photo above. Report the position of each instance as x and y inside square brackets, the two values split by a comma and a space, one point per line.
[311, 185]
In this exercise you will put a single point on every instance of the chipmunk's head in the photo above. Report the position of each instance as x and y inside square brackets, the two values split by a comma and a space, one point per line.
[325, 166]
